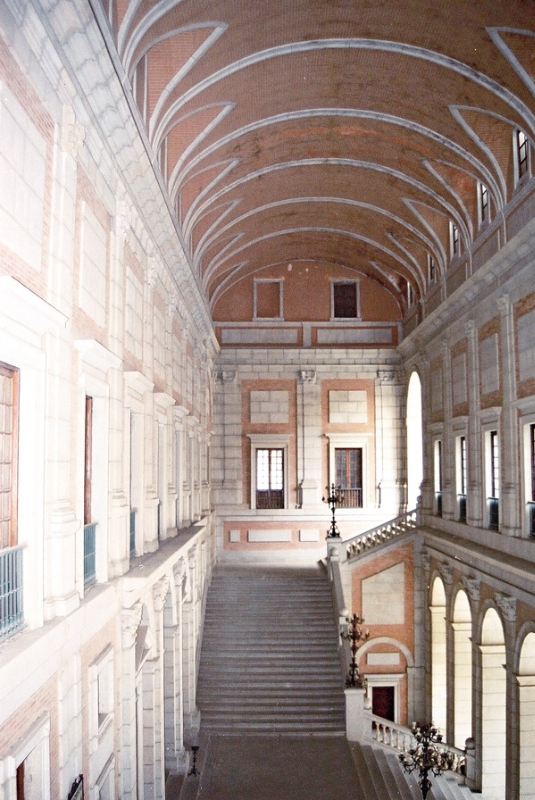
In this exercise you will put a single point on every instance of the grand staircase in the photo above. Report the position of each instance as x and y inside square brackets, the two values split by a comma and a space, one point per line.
[269, 659]
[271, 699]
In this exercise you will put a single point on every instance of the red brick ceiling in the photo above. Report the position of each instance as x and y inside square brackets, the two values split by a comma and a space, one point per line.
[340, 132]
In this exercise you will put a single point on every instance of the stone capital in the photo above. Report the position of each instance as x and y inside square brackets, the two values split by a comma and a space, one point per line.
[228, 376]
[473, 587]
[307, 375]
[159, 593]
[446, 571]
[507, 606]
[130, 619]
[72, 132]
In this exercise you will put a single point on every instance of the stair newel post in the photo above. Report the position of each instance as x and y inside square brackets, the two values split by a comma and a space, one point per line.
[470, 769]
[355, 692]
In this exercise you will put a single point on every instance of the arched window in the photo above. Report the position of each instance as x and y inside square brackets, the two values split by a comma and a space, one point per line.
[414, 440]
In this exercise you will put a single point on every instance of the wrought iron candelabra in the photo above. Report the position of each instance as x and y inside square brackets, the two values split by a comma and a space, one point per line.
[194, 770]
[425, 756]
[356, 636]
[335, 498]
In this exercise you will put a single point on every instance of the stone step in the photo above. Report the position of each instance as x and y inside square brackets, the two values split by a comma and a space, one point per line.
[397, 786]
[286, 728]
[268, 705]
[269, 659]
[224, 689]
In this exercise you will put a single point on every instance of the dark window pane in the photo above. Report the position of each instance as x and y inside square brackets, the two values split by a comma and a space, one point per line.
[345, 299]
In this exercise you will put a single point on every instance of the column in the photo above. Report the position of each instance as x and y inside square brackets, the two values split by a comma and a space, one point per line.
[127, 722]
[474, 500]
[390, 441]
[61, 523]
[449, 497]
[510, 519]
[309, 457]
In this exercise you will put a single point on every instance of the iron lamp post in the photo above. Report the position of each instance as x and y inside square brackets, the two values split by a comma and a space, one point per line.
[425, 756]
[334, 498]
[356, 636]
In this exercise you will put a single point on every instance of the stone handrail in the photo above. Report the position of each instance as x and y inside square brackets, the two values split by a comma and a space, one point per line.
[382, 533]
[334, 547]
[398, 737]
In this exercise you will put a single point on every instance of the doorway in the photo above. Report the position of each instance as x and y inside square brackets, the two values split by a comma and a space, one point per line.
[384, 702]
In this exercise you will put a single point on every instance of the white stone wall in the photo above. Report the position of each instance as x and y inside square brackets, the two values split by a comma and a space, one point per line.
[348, 407]
[311, 373]
[97, 300]
[269, 407]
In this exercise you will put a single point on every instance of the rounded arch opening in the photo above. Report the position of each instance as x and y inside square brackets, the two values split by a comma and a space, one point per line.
[526, 704]
[414, 440]
[438, 656]
[493, 710]
[462, 669]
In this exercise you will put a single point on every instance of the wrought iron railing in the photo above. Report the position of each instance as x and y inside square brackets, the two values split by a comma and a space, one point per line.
[531, 517]
[132, 531]
[160, 519]
[90, 554]
[462, 507]
[11, 607]
[351, 497]
[269, 498]
[494, 513]
[382, 533]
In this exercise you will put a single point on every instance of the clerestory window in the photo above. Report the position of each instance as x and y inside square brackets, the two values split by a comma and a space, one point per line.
[522, 153]
[345, 301]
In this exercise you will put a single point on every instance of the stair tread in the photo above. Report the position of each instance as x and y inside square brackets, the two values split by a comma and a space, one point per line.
[259, 669]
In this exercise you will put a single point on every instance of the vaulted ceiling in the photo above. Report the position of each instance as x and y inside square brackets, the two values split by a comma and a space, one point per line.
[341, 133]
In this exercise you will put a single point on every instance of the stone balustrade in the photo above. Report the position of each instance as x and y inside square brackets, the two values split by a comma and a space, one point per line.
[382, 533]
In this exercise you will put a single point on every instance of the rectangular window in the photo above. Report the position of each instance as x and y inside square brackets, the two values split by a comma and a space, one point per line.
[531, 501]
[348, 465]
[9, 399]
[139, 87]
[438, 477]
[431, 268]
[162, 158]
[270, 478]
[268, 299]
[455, 241]
[483, 202]
[89, 526]
[345, 299]
[494, 481]
[522, 153]
[462, 479]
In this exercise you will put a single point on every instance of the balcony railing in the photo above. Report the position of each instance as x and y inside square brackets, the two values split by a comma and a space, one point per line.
[90, 553]
[531, 517]
[269, 498]
[462, 507]
[494, 513]
[351, 497]
[132, 531]
[11, 609]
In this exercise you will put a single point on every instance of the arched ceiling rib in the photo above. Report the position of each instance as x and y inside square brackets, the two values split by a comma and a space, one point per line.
[342, 133]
